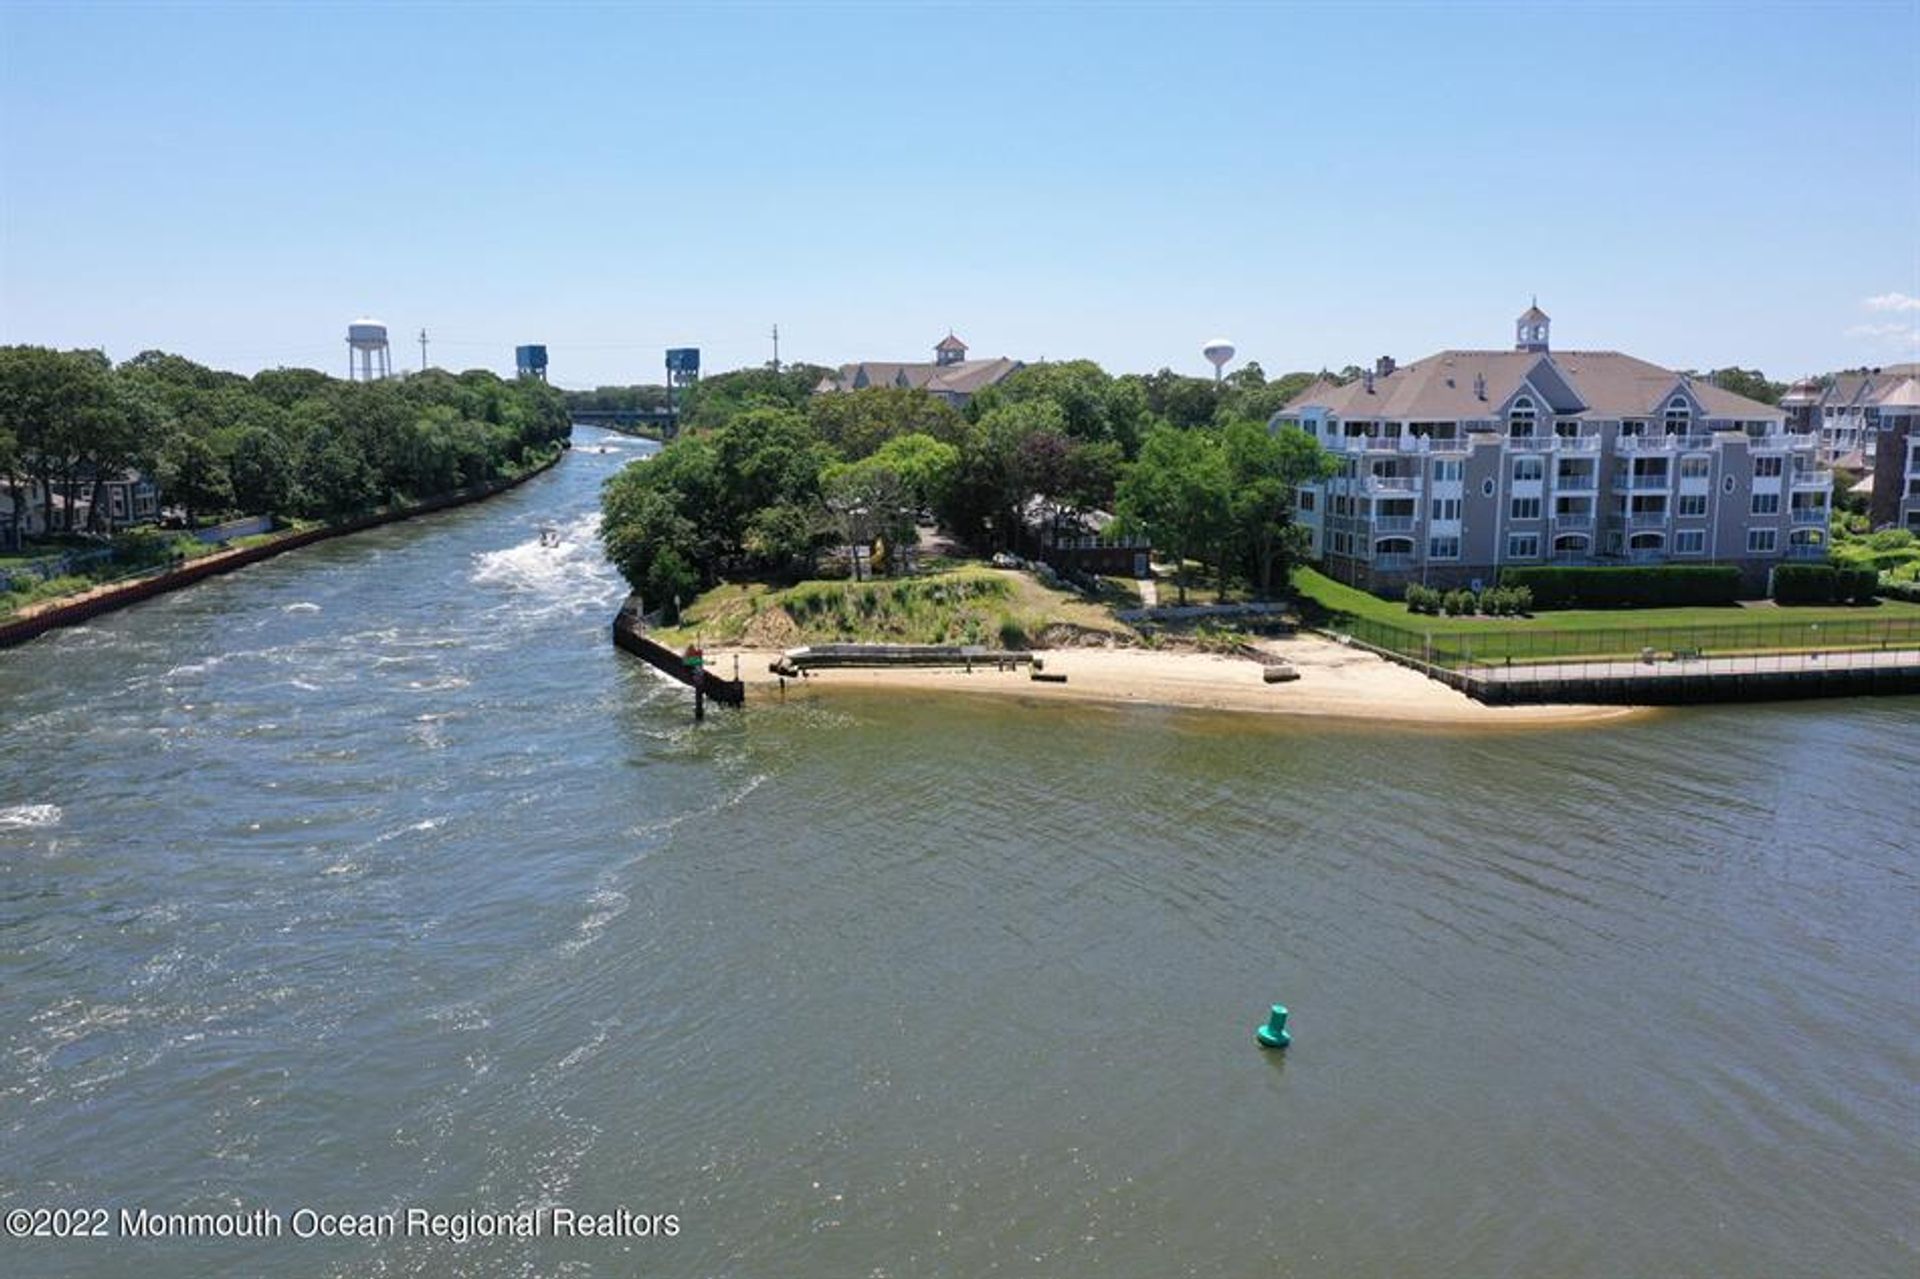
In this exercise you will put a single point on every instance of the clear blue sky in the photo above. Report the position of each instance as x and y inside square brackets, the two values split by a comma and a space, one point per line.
[1729, 183]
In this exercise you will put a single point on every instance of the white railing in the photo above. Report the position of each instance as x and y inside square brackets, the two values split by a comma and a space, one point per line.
[1812, 479]
[1572, 520]
[1393, 523]
[1662, 443]
[1581, 482]
[1646, 519]
[1638, 483]
[1393, 444]
[1393, 483]
[1392, 559]
[1806, 552]
[1810, 515]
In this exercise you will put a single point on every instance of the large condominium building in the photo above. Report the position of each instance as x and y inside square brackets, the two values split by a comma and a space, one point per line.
[1467, 461]
[1844, 409]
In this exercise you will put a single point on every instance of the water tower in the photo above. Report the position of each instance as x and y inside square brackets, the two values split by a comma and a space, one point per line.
[1218, 352]
[367, 354]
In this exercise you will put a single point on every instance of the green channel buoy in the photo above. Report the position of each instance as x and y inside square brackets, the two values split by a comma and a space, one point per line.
[1274, 1033]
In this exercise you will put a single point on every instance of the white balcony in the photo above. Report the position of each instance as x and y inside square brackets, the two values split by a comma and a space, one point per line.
[1552, 443]
[1393, 483]
[1642, 483]
[1578, 482]
[1814, 515]
[1394, 523]
[1812, 479]
[1661, 443]
[1573, 521]
[1647, 519]
[1806, 552]
[1392, 560]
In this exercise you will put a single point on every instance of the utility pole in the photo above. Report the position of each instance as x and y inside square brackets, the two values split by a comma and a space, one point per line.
[423, 350]
[776, 348]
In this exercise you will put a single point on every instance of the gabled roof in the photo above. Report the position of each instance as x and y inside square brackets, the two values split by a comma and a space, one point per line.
[1904, 395]
[951, 343]
[1448, 387]
[1533, 315]
[963, 377]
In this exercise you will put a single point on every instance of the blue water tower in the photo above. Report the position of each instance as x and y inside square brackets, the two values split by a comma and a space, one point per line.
[531, 361]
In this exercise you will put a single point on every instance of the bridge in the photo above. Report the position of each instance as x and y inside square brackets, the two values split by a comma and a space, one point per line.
[653, 424]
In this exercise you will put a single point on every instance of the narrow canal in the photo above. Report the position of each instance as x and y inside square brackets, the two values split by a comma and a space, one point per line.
[372, 878]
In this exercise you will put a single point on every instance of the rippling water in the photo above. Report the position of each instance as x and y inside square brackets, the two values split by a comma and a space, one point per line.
[371, 877]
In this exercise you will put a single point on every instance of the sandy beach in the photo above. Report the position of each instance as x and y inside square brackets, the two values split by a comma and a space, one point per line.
[1335, 682]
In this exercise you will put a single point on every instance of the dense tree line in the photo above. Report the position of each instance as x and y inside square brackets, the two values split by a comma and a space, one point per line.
[766, 475]
[291, 442]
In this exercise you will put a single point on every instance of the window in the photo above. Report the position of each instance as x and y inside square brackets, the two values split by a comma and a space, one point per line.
[1679, 415]
[1486, 487]
[1305, 500]
[1695, 468]
[1762, 541]
[1447, 471]
[1523, 546]
[1767, 467]
[1690, 541]
[1443, 548]
[1529, 468]
[1766, 504]
[1520, 419]
[1446, 508]
[1631, 430]
[1526, 508]
[1691, 504]
[1646, 541]
[1570, 544]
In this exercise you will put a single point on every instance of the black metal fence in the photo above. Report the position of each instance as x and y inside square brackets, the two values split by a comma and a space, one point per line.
[1497, 645]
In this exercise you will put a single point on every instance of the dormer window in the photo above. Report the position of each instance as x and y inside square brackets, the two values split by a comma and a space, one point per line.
[1679, 415]
[1520, 419]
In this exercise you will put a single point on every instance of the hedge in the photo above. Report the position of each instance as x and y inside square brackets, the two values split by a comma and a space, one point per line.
[1823, 584]
[1652, 586]
[1908, 591]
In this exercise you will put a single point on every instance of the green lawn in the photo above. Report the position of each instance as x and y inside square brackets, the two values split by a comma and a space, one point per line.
[1569, 633]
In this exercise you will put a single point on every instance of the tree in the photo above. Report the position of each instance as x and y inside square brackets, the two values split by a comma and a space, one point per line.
[1177, 493]
[1751, 383]
[191, 473]
[261, 472]
[1265, 469]
[856, 424]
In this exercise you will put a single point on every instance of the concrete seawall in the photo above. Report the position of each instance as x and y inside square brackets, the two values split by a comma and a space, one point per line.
[1760, 678]
[20, 630]
[628, 638]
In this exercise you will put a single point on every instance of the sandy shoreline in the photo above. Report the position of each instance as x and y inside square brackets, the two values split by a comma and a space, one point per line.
[1335, 682]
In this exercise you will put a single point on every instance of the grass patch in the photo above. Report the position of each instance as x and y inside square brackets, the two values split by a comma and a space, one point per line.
[1603, 633]
[973, 605]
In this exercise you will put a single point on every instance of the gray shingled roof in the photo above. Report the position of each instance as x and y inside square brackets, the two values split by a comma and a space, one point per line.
[1442, 388]
[962, 378]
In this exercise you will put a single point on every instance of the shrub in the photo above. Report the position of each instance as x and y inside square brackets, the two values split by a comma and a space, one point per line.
[1891, 539]
[1652, 586]
[1423, 599]
[1522, 599]
[1823, 584]
[1457, 602]
[1908, 591]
